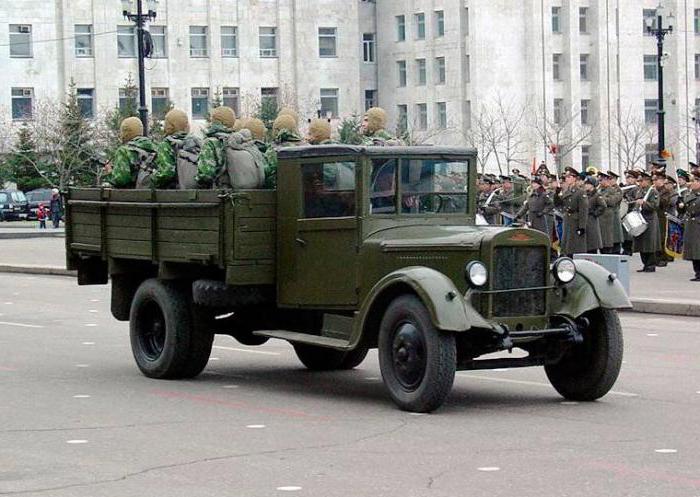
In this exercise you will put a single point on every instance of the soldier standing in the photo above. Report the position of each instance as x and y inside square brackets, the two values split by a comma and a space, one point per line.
[176, 128]
[134, 160]
[596, 208]
[285, 134]
[373, 128]
[319, 132]
[690, 207]
[538, 207]
[212, 158]
[610, 225]
[629, 196]
[647, 244]
[665, 199]
[573, 203]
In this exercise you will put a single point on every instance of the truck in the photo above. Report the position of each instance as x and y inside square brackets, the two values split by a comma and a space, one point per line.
[357, 248]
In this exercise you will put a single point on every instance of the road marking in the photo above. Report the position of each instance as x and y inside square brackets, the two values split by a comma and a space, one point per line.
[234, 349]
[489, 468]
[20, 325]
[81, 396]
[82, 365]
[416, 414]
[213, 358]
[255, 427]
[91, 325]
[9, 370]
[372, 378]
[501, 369]
[93, 311]
[76, 442]
[94, 300]
[288, 489]
[532, 383]
[666, 451]
[88, 343]
[9, 303]
[652, 334]
[569, 403]
[230, 386]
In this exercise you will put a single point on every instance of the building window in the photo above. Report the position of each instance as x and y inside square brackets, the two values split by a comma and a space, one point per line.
[422, 113]
[402, 123]
[368, 47]
[401, 66]
[199, 46]
[126, 41]
[697, 66]
[421, 72]
[327, 42]
[229, 41]
[558, 108]
[160, 102]
[268, 98]
[127, 99]
[556, 20]
[468, 114]
[467, 69]
[583, 66]
[22, 103]
[441, 111]
[400, 28]
[83, 40]
[649, 16]
[650, 68]
[583, 20]
[268, 42]
[231, 98]
[200, 103]
[696, 21]
[329, 102]
[419, 20]
[466, 21]
[650, 109]
[585, 156]
[86, 102]
[20, 40]
[439, 23]
[556, 67]
[585, 112]
[440, 70]
[160, 42]
[370, 99]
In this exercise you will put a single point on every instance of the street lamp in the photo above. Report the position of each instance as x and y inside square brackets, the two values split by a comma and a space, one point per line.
[656, 28]
[140, 19]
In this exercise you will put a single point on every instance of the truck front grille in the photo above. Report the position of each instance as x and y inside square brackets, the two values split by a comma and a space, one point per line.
[519, 268]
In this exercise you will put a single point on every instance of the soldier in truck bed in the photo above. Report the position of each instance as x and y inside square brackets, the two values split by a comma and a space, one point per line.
[134, 160]
[212, 158]
[176, 128]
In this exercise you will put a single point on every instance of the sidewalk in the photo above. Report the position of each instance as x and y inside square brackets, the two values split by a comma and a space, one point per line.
[28, 229]
[667, 291]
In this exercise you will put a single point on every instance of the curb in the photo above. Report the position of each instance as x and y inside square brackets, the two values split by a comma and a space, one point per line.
[43, 270]
[31, 234]
[651, 306]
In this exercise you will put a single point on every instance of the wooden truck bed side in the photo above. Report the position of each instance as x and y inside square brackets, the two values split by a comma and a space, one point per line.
[231, 231]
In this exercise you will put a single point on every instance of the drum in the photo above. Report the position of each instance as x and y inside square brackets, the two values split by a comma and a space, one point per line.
[481, 220]
[634, 223]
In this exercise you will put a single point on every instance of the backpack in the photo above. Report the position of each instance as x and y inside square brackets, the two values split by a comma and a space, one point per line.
[245, 163]
[145, 163]
[187, 156]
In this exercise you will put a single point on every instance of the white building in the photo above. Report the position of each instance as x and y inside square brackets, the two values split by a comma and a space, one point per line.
[439, 67]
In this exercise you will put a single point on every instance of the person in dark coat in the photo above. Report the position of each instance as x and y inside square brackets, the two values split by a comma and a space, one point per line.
[665, 199]
[537, 207]
[573, 203]
[629, 196]
[690, 208]
[610, 225]
[647, 244]
[596, 208]
[56, 207]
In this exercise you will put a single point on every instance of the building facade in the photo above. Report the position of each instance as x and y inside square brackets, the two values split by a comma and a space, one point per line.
[571, 82]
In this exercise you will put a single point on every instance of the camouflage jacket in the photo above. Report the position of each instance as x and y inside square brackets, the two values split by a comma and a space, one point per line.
[165, 174]
[130, 158]
[212, 158]
[283, 139]
[381, 138]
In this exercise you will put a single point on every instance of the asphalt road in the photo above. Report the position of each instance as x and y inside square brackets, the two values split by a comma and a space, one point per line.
[78, 419]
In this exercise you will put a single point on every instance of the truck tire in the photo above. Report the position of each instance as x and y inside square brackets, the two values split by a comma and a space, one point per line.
[165, 339]
[354, 357]
[213, 293]
[417, 361]
[319, 358]
[589, 370]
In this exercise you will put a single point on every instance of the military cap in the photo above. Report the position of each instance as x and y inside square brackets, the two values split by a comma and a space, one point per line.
[516, 172]
[570, 170]
[692, 165]
[644, 174]
[553, 176]
[682, 173]
[602, 174]
[537, 180]
[591, 180]
[671, 179]
[612, 174]
[487, 180]
[583, 175]
[695, 176]
[658, 161]
[505, 178]
[632, 172]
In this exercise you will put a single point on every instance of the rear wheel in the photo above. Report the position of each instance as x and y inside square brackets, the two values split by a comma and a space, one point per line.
[166, 339]
[589, 370]
[325, 359]
[417, 361]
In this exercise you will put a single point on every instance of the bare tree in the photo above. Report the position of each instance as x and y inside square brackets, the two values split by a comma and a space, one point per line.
[562, 133]
[485, 135]
[631, 137]
[510, 120]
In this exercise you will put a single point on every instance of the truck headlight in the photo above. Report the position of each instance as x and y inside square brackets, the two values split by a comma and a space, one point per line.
[564, 270]
[476, 273]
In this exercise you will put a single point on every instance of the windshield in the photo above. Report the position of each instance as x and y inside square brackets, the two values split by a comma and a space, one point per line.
[38, 195]
[426, 186]
[18, 197]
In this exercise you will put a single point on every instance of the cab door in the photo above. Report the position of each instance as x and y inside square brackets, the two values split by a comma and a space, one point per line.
[318, 234]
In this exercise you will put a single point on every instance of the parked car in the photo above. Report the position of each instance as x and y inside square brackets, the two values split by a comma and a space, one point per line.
[36, 197]
[13, 205]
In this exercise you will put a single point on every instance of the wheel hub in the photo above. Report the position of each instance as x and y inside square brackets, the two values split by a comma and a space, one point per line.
[153, 333]
[409, 359]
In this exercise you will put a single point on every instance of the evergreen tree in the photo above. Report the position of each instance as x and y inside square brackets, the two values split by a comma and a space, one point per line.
[23, 164]
[217, 100]
[349, 130]
[127, 108]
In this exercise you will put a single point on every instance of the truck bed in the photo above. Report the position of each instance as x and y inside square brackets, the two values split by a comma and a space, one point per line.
[233, 232]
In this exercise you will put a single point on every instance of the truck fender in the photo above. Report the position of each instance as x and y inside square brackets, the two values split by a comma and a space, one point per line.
[448, 309]
[593, 287]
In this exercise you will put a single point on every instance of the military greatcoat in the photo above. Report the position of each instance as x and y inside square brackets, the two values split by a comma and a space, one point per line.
[610, 225]
[596, 208]
[538, 208]
[574, 206]
[648, 242]
[691, 235]
[629, 196]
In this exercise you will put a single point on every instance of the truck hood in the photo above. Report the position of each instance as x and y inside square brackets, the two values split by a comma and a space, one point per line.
[425, 237]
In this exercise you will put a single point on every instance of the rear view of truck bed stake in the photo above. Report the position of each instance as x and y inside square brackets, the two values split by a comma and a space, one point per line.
[358, 248]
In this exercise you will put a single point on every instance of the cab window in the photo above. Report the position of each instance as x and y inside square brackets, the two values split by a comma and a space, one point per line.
[382, 191]
[434, 186]
[329, 190]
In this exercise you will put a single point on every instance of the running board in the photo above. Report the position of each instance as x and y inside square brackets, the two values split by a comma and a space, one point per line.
[305, 338]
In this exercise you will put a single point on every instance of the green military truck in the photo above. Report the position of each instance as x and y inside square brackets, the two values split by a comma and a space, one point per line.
[358, 248]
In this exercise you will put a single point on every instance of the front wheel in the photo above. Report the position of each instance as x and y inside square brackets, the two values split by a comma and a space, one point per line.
[324, 359]
[589, 370]
[417, 361]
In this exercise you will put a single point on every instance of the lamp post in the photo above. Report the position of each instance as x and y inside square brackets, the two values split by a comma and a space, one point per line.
[656, 28]
[140, 18]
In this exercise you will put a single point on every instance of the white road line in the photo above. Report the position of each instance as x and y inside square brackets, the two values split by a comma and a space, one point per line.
[532, 383]
[489, 468]
[288, 489]
[234, 349]
[20, 325]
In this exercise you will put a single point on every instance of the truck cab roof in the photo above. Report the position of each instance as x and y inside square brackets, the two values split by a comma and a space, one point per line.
[337, 150]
